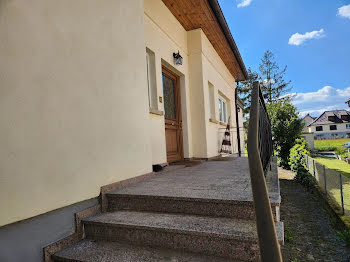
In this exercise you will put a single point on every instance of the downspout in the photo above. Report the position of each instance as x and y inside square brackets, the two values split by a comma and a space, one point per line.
[237, 122]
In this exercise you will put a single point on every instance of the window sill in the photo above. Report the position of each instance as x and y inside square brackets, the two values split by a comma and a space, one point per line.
[213, 121]
[223, 123]
[156, 112]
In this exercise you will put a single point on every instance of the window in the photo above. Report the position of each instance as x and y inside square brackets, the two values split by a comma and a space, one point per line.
[151, 79]
[319, 128]
[331, 118]
[211, 101]
[344, 117]
[347, 126]
[333, 127]
[222, 110]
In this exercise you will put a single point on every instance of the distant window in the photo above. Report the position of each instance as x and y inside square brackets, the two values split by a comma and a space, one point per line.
[344, 117]
[319, 128]
[331, 118]
[347, 126]
[333, 127]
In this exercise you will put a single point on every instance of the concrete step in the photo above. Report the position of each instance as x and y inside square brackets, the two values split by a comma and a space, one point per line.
[223, 237]
[185, 205]
[102, 251]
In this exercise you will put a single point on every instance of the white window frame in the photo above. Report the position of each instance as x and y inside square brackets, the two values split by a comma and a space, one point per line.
[223, 117]
[148, 79]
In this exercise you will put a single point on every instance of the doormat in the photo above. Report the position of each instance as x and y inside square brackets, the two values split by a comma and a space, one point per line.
[188, 163]
[223, 159]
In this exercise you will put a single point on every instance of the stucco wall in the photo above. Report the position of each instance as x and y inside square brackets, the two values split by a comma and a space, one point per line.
[201, 63]
[309, 137]
[73, 108]
[164, 36]
[215, 72]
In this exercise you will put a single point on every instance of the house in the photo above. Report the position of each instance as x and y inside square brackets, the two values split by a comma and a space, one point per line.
[307, 120]
[331, 124]
[97, 92]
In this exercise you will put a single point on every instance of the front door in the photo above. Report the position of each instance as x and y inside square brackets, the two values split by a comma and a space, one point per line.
[172, 114]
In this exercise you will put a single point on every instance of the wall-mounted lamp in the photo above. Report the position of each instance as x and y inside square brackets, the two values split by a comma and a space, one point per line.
[177, 58]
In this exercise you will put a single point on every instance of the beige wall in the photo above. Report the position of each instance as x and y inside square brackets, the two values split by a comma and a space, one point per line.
[201, 64]
[73, 107]
[165, 35]
[309, 137]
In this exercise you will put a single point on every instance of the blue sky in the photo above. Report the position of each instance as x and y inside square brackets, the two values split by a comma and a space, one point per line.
[318, 57]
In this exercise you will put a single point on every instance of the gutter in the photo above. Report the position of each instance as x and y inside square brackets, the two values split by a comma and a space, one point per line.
[223, 24]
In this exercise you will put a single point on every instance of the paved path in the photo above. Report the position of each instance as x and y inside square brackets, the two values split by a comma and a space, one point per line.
[309, 234]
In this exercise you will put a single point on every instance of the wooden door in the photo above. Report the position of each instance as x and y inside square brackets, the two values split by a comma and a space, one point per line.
[172, 115]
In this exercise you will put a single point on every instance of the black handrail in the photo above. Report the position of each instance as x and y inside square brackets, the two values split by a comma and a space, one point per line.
[265, 143]
[259, 155]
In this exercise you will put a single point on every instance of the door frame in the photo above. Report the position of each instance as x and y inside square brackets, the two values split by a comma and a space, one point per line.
[173, 158]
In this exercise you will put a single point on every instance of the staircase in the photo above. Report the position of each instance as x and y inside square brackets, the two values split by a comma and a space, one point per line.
[200, 213]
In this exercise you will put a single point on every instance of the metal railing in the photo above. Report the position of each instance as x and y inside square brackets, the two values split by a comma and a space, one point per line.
[332, 182]
[259, 155]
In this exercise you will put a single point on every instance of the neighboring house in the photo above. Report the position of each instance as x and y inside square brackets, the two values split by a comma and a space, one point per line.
[95, 93]
[331, 124]
[306, 121]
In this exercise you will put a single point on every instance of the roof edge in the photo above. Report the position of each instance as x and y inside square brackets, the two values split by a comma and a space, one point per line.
[223, 24]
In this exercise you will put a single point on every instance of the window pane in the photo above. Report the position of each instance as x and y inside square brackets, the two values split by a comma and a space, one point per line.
[225, 114]
[169, 98]
[220, 110]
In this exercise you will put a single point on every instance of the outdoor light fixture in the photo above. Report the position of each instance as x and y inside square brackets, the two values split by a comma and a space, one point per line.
[177, 58]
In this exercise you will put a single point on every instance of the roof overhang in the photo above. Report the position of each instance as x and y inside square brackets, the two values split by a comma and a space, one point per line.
[207, 15]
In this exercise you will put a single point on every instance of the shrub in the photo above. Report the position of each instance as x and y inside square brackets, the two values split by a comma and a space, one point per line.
[345, 236]
[297, 154]
[341, 151]
[304, 178]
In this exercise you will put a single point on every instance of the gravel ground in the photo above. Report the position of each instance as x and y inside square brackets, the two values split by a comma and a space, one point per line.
[309, 231]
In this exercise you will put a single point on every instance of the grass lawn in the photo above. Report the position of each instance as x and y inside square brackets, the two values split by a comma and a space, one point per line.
[335, 164]
[329, 144]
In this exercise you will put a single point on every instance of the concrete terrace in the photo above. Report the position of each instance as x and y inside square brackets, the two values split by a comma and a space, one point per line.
[198, 213]
[215, 180]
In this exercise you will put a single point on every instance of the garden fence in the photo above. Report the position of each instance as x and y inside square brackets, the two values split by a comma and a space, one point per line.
[332, 182]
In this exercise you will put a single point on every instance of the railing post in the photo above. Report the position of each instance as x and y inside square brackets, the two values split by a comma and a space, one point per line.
[324, 178]
[341, 193]
[268, 243]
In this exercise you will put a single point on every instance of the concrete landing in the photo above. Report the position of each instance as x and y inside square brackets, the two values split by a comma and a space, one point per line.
[215, 180]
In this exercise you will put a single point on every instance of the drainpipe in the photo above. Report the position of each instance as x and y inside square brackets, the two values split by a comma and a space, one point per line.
[237, 122]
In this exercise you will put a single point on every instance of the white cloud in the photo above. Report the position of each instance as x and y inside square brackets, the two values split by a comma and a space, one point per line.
[344, 11]
[298, 39]
[244, 3]
[326, 98]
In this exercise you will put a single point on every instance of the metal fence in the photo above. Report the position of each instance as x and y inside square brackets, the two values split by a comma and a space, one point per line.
[332, 182]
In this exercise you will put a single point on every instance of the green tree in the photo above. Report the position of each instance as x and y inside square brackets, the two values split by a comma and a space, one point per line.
[245, 89]
[286, 127]
[273, 84]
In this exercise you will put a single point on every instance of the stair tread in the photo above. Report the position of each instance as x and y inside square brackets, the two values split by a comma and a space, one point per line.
[103, 251]
[191, 224]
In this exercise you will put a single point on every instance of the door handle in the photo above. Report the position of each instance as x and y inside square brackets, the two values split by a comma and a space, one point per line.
[172, 124]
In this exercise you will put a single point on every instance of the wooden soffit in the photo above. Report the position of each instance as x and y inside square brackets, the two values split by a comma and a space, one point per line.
[207, 15]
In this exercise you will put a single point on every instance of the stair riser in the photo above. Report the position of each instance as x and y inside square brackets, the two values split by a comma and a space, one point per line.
[234, 210]
[198, 243]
